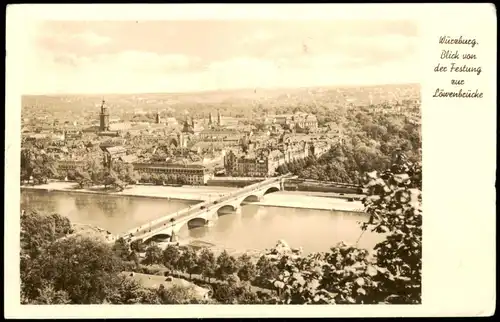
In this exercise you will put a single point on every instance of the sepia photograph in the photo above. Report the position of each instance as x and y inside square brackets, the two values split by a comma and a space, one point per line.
[221, 162]
[237, 160]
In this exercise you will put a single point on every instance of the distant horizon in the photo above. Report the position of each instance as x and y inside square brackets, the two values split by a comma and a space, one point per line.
[208, 91]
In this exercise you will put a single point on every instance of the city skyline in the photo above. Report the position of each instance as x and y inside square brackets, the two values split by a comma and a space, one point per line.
[191, 56]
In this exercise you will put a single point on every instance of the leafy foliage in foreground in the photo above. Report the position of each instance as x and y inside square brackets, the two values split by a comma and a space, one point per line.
[348, 275]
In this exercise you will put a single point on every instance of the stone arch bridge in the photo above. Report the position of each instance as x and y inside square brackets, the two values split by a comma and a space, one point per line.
[207, 212]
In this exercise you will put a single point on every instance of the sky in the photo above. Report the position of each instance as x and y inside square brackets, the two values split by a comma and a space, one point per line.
[182, 56]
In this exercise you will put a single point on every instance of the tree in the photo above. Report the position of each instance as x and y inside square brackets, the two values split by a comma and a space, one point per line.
[146, 178]
[38, 164]
[182, 179]
[282, 169]
[130, 291]
[177, 294]
[171, 256]
[349, 275]
[226, 265]
[207, 263]
[154, 255]
[266, 269]
[121, 249]
[247, 270]
[233, 279]
[125, 172]
[188, 262]
[48, 295]
[27, 163]
[170, 178]
[95, 169]
[111, 178]
[46, 168]
[83, 177]
[233, 293]
[135, 258]
[138, 246]
[225, 293]
[84, 268]
[39, 230]
[246, 296]
[394, 204]
[157, 179]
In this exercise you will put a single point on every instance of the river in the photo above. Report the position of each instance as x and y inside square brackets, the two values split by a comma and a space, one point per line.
[253, 227]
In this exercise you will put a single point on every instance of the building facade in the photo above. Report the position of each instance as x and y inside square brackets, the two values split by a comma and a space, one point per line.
[299, 121]
[112, 153]
[298, 151]
[210, 135]
[262, 163]
[265, 161]
[194, 174]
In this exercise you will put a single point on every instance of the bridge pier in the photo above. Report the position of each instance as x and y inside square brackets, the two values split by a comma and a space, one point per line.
[211, 222]
[231, 204]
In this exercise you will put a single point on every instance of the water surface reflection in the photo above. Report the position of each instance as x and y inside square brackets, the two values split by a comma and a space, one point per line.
[258, 227]
[116, 214]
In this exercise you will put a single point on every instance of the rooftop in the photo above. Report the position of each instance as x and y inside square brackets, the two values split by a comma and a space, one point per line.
[160, 164]
[115, 149]
[128, 158]
[220, 131]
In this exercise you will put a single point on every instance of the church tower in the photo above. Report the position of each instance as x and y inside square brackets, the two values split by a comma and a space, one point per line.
[158, 118]
[210, 118]
[104, 118]
[218, 117]
[187, 128]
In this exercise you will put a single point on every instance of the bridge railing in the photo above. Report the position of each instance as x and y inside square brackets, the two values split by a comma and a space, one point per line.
[186, 212]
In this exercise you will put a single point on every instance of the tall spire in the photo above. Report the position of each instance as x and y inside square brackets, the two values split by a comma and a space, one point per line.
[210, 118]
[158, 119]
[104, 118]
[218, 117]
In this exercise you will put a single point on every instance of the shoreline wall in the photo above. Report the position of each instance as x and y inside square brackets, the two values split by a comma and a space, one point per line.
[194, 201]
[109, 193]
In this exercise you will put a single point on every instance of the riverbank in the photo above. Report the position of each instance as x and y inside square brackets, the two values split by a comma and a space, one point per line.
[191, 193]
[287, 199]
[292, 199]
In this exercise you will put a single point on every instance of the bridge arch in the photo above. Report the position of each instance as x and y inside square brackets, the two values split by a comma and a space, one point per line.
[160, 237]
[226, 209]
[250, 198]
[271, 190]
[196, 222]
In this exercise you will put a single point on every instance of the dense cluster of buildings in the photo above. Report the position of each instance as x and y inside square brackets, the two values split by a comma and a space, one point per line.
[263, 162]
[297, 123]
[192, 149]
